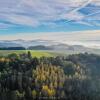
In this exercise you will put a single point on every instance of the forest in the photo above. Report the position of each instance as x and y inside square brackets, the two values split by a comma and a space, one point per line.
[72, 77]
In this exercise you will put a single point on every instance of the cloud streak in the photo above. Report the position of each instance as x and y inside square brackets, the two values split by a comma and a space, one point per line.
[35, 13]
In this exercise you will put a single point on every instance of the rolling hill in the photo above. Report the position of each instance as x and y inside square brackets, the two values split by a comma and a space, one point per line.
[45, 45]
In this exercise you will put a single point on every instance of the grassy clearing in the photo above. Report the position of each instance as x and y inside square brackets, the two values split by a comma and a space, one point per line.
[41, 53]
[33, 52]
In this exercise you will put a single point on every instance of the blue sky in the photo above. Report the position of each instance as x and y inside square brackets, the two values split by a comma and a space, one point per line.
[48, 16]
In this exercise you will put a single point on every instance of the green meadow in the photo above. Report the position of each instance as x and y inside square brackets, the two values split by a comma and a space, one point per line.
[35, 53]
[40, 53]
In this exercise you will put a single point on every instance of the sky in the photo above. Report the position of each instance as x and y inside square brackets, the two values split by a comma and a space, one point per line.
[38, 18]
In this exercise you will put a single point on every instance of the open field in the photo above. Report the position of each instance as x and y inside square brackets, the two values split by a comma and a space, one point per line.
[46, 53]
[33, 52]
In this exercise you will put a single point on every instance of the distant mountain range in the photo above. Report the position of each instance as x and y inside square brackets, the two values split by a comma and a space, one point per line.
[24, 43]
[43, 45]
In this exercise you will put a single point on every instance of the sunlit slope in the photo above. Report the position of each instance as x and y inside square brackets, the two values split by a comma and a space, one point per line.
[33, 52]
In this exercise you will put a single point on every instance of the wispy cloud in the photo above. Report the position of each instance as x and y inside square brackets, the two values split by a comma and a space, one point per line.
[45, 12]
